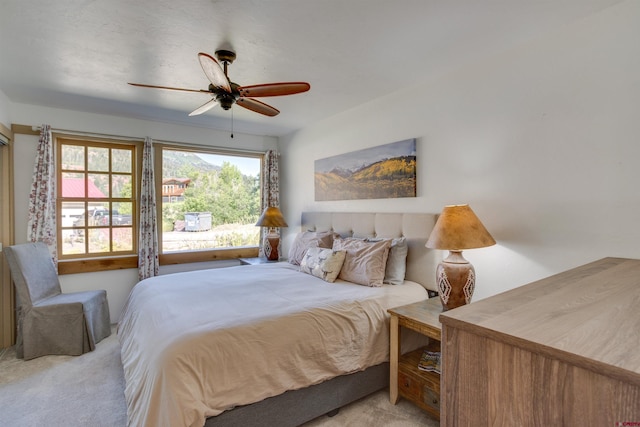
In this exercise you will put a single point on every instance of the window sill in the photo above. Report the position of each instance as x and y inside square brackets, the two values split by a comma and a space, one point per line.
[213, 255]
[120, 263]
[93, 265]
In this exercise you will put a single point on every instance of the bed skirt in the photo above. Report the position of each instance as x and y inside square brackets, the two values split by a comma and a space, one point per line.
[296, 407]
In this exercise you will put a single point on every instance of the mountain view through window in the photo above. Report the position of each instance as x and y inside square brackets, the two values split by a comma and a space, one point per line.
[209, 200]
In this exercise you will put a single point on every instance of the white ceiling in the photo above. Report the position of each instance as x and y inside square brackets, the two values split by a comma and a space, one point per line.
[80, 54]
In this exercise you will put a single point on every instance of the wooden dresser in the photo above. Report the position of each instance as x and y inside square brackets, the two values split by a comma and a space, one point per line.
[562, 351]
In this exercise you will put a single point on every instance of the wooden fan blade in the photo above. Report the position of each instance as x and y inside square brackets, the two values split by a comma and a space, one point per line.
[204, 107]
[257, 106]
[274, 89]
[214, 72]
[169, 88]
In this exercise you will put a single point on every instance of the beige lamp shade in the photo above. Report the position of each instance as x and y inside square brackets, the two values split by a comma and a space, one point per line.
[271, 217]
[459, 228]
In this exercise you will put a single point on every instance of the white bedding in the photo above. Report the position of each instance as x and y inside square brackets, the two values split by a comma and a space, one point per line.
[195, 344]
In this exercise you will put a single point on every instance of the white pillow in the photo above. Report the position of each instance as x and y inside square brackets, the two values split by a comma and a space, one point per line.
[308, 239]
[322, 263]
[396, 262]
[365, 261]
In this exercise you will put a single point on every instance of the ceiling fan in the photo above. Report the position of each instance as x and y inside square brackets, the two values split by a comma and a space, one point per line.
[226, 93]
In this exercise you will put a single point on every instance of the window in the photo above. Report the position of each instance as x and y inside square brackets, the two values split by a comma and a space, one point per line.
[96, 199]
[210, 202]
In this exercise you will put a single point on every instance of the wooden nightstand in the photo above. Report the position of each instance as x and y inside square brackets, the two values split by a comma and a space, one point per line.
[406, 380]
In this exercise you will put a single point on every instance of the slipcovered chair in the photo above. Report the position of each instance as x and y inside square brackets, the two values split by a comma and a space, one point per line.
[49, 321]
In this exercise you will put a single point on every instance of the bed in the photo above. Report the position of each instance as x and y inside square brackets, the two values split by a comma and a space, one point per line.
[270, 344]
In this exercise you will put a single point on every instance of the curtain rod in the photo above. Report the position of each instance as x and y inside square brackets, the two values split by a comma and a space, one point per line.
[135, 138]
[90, 134]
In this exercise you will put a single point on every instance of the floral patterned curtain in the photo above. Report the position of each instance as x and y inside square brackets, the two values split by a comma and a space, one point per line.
[148, 264]
[41, 225]
[270, 190]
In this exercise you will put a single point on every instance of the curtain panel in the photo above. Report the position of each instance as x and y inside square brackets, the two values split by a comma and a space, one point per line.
[270, 190]
[148, 263]
[41, 224]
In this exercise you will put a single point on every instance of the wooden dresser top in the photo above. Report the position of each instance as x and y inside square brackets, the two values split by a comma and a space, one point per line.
[588, 316]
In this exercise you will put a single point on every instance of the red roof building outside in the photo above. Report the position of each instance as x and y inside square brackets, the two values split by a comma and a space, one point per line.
[74, 187]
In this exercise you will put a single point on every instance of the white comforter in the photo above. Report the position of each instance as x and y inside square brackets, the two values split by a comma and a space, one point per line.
[195, 344]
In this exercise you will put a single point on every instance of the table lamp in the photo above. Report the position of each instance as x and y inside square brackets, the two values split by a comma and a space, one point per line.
[457, 228]
[272, 218]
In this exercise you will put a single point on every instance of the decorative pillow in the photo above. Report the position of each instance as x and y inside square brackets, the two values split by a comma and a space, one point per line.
[322, 263]
[309, 239]
[396, 262]
[365, 261]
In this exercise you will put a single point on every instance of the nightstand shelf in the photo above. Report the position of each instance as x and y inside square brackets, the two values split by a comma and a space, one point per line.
[406, 380]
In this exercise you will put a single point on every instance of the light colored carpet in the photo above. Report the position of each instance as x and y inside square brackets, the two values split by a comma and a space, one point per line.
[88, 390]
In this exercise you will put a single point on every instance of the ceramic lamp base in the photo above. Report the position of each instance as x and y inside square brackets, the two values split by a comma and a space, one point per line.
[456, 280]
[270, 247]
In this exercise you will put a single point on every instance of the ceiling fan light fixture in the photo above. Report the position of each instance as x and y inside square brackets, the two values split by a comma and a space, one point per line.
[226, 100]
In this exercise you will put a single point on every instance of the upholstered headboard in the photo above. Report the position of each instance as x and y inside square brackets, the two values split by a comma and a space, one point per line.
[415, 227]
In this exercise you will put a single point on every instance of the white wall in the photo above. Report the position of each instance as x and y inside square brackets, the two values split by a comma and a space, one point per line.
[542, 142]
[117, 283]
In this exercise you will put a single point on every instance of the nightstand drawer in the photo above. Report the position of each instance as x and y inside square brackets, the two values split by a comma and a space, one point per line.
[409, 387]
[420, 387]
[431, 398]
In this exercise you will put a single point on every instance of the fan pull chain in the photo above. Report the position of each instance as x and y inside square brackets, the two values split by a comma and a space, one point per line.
[232, 123]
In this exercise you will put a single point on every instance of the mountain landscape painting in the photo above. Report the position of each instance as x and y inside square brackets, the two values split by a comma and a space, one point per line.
[382, 172]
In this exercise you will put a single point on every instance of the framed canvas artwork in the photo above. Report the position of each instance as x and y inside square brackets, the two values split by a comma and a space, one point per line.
[382, 172]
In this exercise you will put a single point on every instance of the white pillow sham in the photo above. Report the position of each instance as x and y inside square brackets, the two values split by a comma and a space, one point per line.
[396, 268]
[365, 261]
[308, 239]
